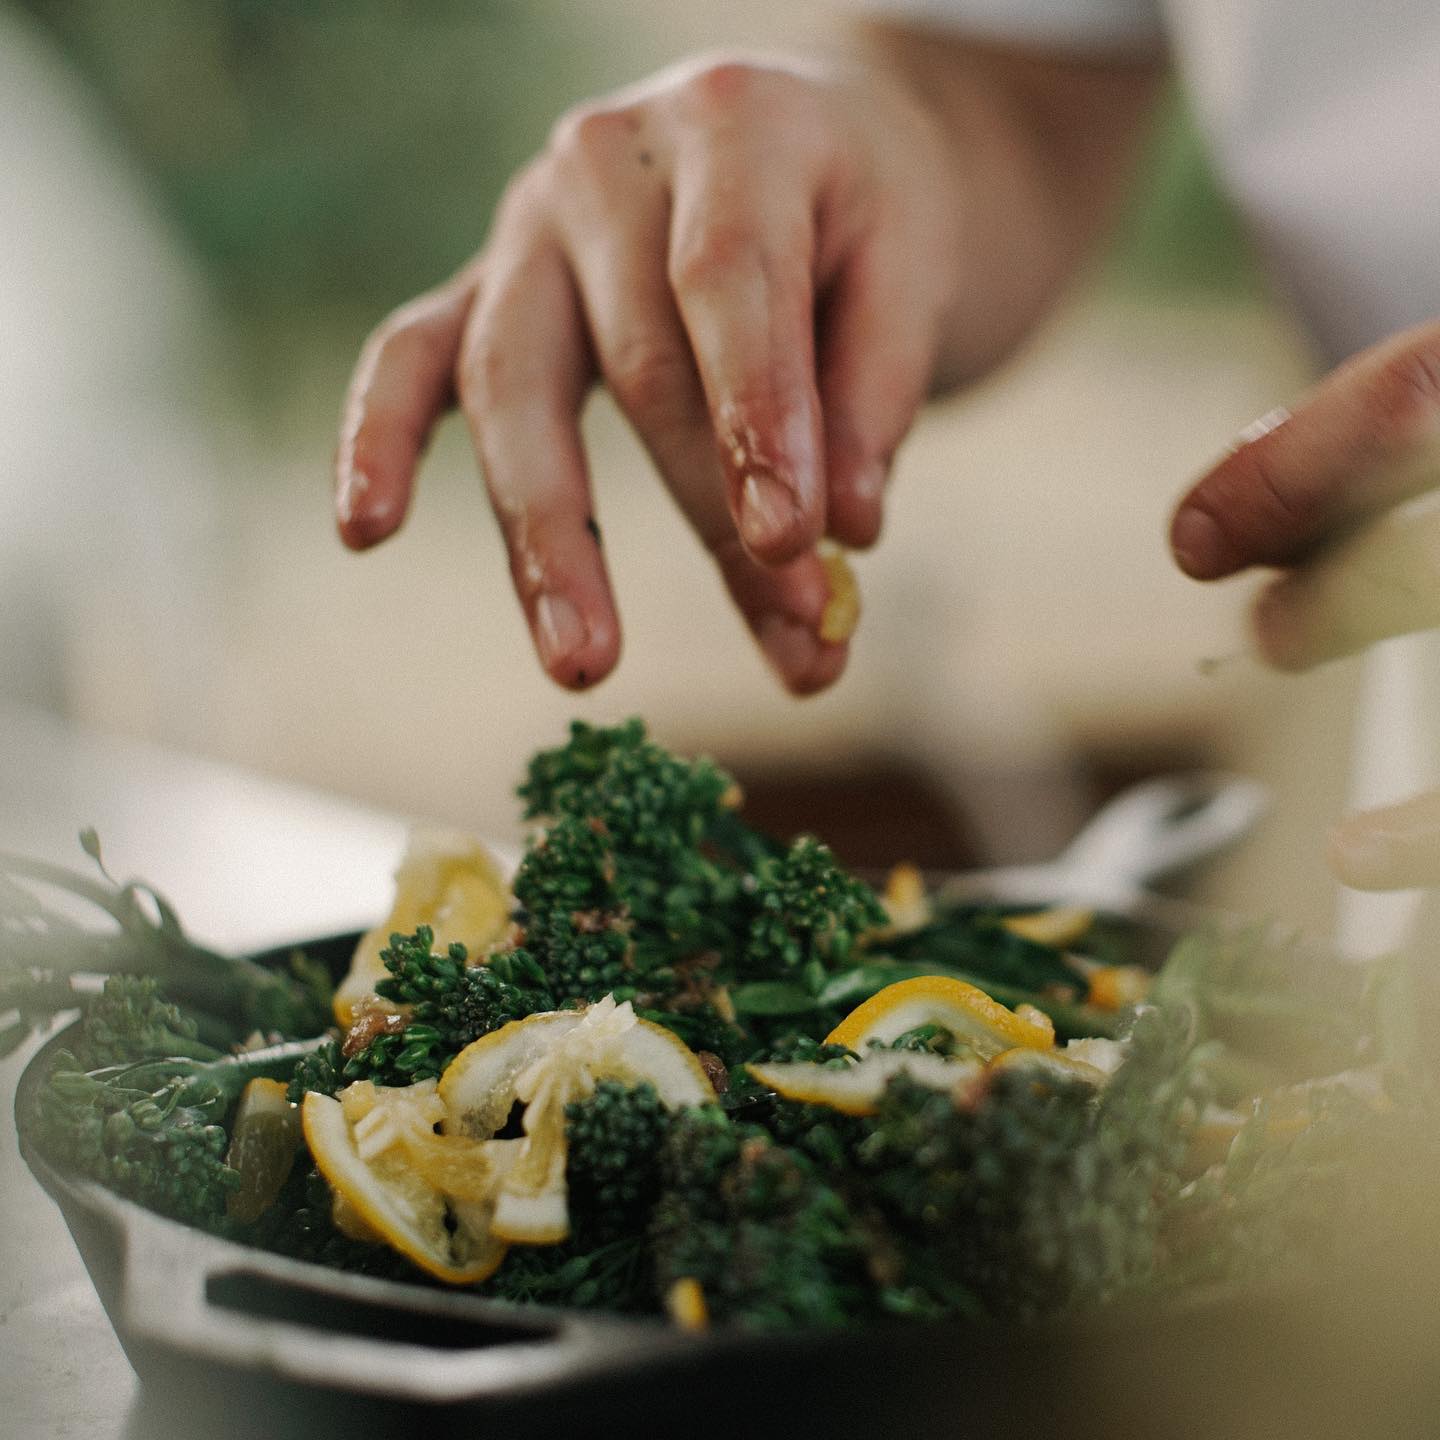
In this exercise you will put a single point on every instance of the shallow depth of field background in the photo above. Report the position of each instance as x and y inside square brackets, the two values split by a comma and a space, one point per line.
[204, 205]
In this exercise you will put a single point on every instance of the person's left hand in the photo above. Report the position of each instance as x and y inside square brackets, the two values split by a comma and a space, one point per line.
[1320, 493]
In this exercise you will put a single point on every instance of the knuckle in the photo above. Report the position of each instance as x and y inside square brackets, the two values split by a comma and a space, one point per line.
[590, 133]
[709, 254]
[645, 374]
[1404, 394]
[723, 83]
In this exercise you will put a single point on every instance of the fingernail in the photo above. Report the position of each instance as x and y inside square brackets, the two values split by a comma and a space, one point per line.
[1277, 627]
[559, 628]
[869, 482]
[1197, 543]
[791, 648]
[767, 511]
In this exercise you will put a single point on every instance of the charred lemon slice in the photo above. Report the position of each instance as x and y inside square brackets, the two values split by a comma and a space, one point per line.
[396, 1180]
[263, 1142]
[984, 1026]
[543, 1062]
[1047, 1064]
[446, 880]
[857, 1089]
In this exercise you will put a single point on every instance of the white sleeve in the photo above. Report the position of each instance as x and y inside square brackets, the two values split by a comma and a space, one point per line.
[1073, 24]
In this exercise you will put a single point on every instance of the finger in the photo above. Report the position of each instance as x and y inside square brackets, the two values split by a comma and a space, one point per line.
[785, 607]
[403, 383]
[1383, 581]
[1366, 437]
[615, 233]
[876, 356]
[740, 265]
[1394, 848]
[524, 370]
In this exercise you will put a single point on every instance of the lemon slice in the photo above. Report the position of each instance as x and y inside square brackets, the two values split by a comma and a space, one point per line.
[366, 1142]
[263, 1142]
[857, 1089]
[984, 1025]
[446, 880]
[907, 905]
[842, 607]
[685, 1304]
[1044, 1064]
[1059, 926]
[1114, 987]
[544, 1062]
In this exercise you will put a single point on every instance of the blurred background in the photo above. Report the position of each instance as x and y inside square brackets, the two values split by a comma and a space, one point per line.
[204, 206]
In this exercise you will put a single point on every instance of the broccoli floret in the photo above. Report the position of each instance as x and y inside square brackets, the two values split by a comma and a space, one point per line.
[446, 1003]
[645, 797]
[1034, 1196]
[616, 1276]
[771, 1243]
[807, 913]
[641, 850]
[322, 1070]
[647, 885]
[131, 1020]
[582, 955]
[152, 1130]
[613, 1162]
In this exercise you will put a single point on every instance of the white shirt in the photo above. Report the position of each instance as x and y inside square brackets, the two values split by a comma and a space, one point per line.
[1323, 123]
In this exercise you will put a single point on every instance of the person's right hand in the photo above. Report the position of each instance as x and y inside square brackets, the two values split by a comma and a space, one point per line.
[757, 259]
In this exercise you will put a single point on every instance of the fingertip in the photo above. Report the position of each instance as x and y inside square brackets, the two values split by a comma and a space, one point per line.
[1199, 545]
[804, 663]
[857, 507]
[365, 514]
[1396, 847]
[1277, 627]
[828, 666]
[578, 648]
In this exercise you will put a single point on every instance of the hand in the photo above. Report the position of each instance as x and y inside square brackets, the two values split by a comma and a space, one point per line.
[755, 258]
[1319, 493]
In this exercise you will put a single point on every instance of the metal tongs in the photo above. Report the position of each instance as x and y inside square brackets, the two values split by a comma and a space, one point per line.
[1150, 830]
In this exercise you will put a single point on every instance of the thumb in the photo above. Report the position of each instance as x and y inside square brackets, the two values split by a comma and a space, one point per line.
[1396, 847]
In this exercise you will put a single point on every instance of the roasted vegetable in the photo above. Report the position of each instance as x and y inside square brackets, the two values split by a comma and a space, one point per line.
[853, 1116]
[153, 1129]
[49, 954]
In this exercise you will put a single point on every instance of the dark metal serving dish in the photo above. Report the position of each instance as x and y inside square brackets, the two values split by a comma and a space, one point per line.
[230, 1340]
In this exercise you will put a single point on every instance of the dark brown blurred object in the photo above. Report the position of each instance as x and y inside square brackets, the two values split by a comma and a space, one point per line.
[878, 809]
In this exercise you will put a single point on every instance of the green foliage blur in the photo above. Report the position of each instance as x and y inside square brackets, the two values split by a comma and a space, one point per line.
[344, 154]
[316, 151]
[1178, 232]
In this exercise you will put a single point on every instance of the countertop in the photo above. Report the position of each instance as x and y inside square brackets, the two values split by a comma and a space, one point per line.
[248, 861]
